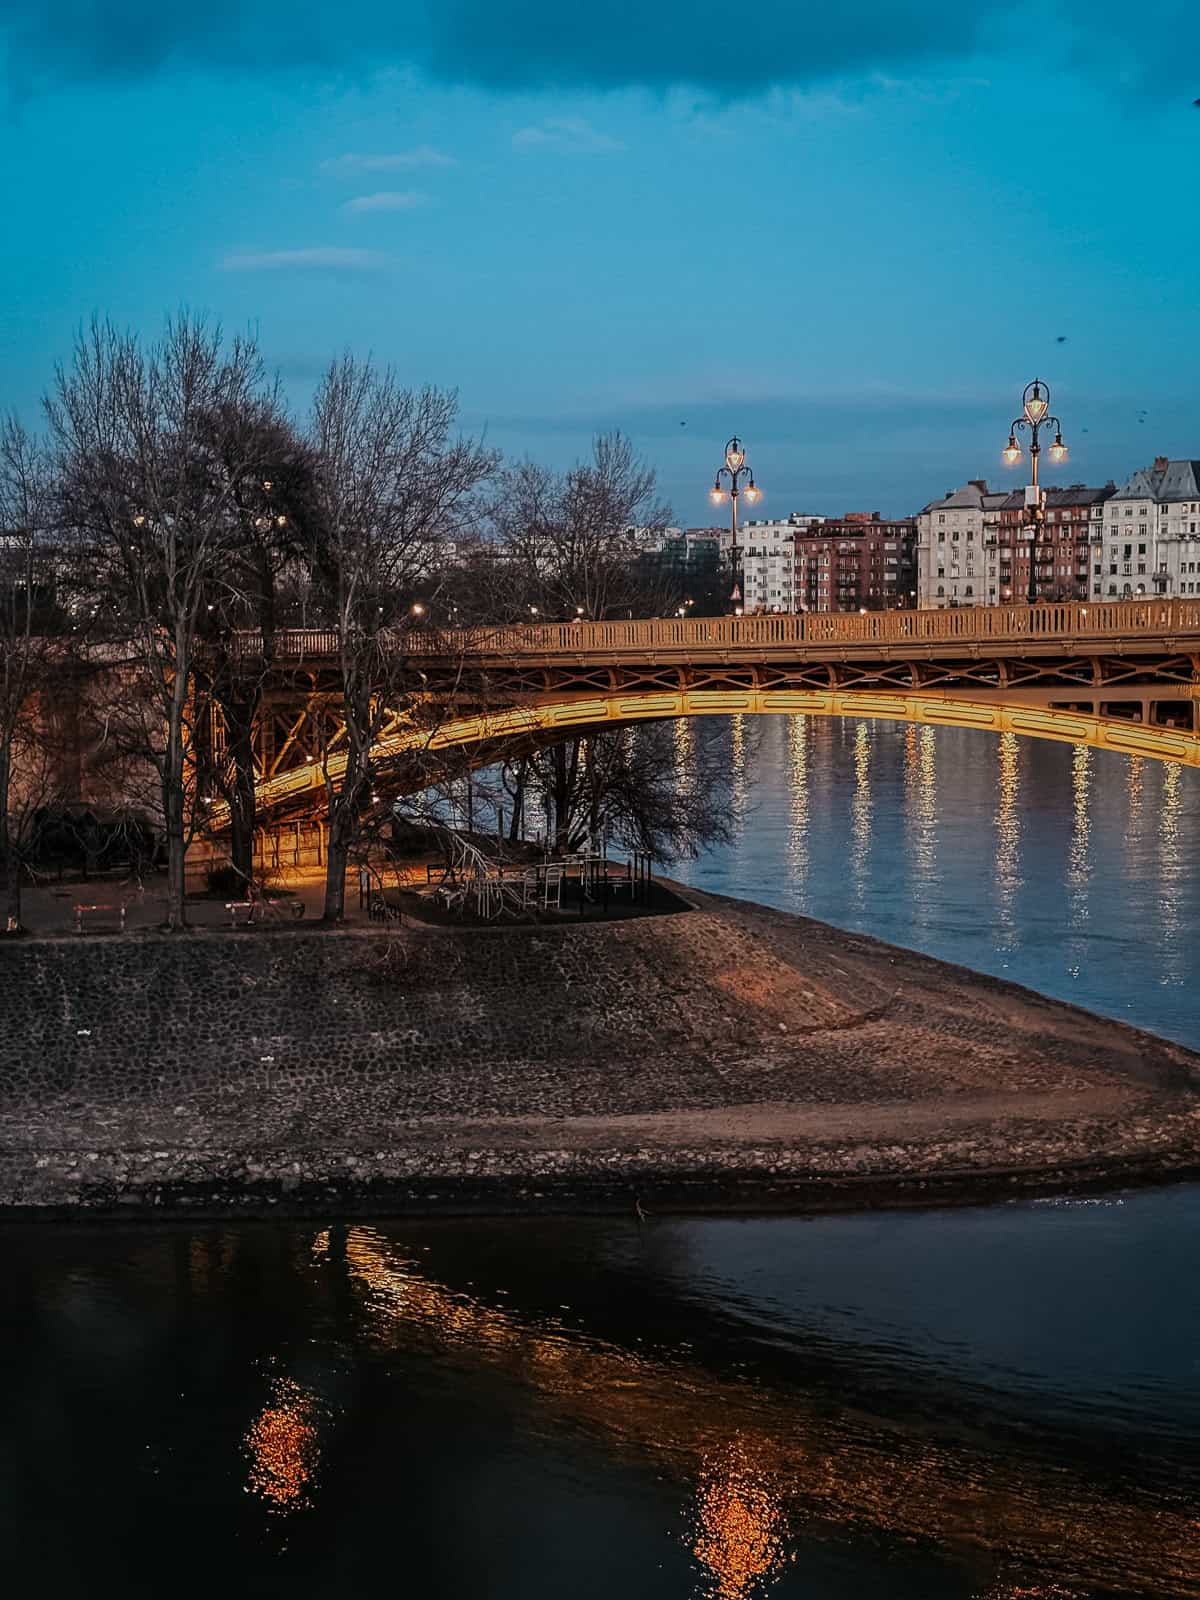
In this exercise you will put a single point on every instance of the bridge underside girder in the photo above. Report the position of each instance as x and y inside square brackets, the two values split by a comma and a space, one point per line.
[1120, 710]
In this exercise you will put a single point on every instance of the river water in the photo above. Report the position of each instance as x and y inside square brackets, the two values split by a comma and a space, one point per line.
[992, 1403]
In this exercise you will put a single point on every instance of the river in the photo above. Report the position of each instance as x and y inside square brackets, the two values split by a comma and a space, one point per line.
[987, 1402]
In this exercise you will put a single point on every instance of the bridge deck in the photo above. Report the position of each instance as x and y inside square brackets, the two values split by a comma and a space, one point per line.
[1121, 627]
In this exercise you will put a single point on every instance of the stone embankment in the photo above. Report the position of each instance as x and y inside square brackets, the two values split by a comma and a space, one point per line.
[731, 1056]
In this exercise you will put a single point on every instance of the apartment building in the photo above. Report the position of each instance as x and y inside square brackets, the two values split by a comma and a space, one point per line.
[766, 574]
[1073, 520]
[1151, 534]
[951, 570]
[859, 562]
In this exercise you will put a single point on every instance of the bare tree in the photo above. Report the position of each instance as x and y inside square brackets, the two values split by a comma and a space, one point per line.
[153, 508]
[638, 788]
[393, 482]
[573, 542]
[274, 529]
[24, 773]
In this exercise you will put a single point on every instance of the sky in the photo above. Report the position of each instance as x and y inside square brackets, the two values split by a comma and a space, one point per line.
[849, 233]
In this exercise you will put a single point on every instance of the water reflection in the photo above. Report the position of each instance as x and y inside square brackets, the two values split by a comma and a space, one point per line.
[1008, 837]
[740, 1529]
[1170, 872]
[761, 1457]
[860, 814]
[739, 768]
[797, 832]
[283, 1447]
[1091, 851]
[1079, 860]
[920, 794]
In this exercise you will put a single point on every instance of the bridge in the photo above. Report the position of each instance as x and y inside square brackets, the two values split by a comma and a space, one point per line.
[1121, 676]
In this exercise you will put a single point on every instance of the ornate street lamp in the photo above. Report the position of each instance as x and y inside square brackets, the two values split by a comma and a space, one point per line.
[735, 468]
[1035, 415]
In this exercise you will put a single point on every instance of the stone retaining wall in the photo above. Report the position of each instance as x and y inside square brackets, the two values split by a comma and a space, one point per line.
[729, 1044]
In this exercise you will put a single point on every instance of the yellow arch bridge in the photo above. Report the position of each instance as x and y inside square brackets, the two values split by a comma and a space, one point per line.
[1122, 677]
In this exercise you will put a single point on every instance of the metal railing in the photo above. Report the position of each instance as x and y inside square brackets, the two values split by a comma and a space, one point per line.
[1067, 620]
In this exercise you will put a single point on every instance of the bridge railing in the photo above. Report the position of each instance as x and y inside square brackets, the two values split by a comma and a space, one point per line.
[975, 625]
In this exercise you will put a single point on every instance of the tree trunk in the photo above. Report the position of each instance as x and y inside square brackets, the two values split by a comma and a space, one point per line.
[173, 816]
[342, 821]
[9, 856]
[240, 785]
[518, 804]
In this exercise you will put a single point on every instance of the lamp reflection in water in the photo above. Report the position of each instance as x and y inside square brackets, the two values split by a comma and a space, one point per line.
[1171, 873]
[860, 814]
[920, 806]
[1079, 858]
[284, 1448]
[738, 766]
[1135, 786]
[797, 835]
[740, 1528]
[1008, 838]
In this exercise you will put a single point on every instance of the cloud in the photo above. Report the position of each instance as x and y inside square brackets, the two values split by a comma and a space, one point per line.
[321, 259]
[387, 200]
[527, 45]
[571, 135]
[352, 166]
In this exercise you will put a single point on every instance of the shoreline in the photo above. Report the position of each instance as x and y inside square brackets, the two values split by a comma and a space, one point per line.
[729, 1060]
[662, 1196]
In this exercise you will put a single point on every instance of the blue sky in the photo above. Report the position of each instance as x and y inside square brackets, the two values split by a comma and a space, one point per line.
[852, 237]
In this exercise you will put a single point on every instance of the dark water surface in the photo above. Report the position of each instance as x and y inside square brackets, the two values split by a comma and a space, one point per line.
[987, 1403]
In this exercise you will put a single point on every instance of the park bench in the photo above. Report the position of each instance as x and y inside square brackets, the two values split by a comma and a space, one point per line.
[87, 918]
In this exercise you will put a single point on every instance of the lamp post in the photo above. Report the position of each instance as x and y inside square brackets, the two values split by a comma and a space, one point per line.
[735, 468]
[1035, 415]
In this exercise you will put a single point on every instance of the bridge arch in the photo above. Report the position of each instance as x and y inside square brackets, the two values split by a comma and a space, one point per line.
[574, 714]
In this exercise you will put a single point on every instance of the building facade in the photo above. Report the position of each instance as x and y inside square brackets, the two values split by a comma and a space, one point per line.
[765, 575]
[1151, 537]
[859, 562]
[1065, 557]
[951, 570]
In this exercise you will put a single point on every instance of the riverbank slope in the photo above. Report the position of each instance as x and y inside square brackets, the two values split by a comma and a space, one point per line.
[727, 1057]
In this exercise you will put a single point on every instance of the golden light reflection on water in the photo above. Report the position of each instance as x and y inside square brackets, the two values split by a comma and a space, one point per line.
[1008, 838]
[1171, 873]
[739, 763]
[920, 810]
[284, 1447]
[860, 815]
[797, 834]
[740, 1528]
[1079, 862]
[758, 1457]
